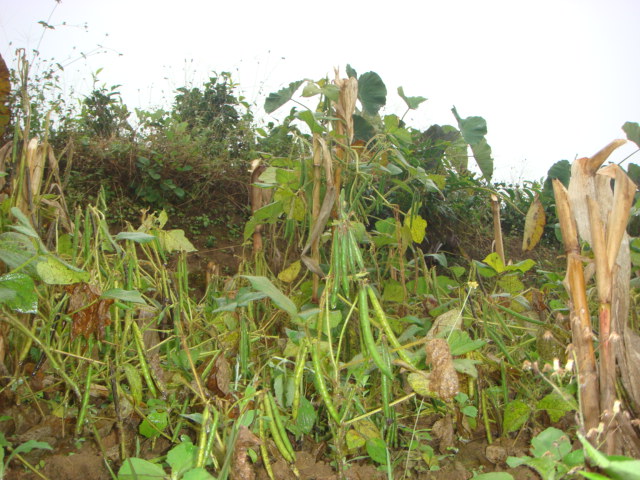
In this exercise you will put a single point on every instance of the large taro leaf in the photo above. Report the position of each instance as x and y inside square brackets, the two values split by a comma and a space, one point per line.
[5, 89]
[473, 131]
[276, 99]
[372, 92]
[632, 129]
[560, 170]
[412, 102]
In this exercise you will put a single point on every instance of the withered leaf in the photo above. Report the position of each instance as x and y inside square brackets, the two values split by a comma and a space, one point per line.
[89, 313]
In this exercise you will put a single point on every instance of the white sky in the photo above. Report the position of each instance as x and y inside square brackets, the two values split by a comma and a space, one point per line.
[554, 79]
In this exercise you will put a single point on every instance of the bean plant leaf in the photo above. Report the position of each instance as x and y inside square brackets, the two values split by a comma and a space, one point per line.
[175, 241]
[290, 273]
[264, 285]
[182, 458]
[420, 384]
[267, 214]
[372, 93]
[412, 102]
[308, 117]
[125, 295]
[137, 237]
[417, 226]
[632, 129]
[533, 225]
[516, 414]
[135, 382]
[17, 291]
[5, 90]
[377, 450]
[139, 469]
[55, 272]
[307, 416]
[276, 99]
[555, 405]
[198, 474]
[473, 131]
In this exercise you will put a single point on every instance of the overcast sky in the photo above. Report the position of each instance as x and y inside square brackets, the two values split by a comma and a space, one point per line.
[554, 79]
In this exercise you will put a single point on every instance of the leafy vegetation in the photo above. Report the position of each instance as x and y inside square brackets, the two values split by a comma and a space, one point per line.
[369, 320]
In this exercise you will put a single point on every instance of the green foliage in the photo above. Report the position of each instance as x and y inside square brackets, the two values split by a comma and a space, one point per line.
[553, 455]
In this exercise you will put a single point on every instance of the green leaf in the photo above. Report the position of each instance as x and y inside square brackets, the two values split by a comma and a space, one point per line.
[417, 226]
[632, 129]
[495, 262]
[182, 458]
[309, 118]
[307, 416]
[55, 272]
[17, 291]
[460, 343]
[267, 214]
[393, 291]
[30, 445]
[175, 241]
[482, 153]
[516, 414]
[412, 102]
[362, 129]
[420, 384]
[522, 266]
[135, 381]
[372, 92]
[560, 170]
[618, 468]
[556, 406]
[551, 443]
[139, 469]
[377, 450]
[264, 285]
[473, 131]
[125, 295]
[511, 284]
[17, 250]
[138, 237]
[154, 424]
[276, 99]
[466, 366]
[198, 474]
[494, 476]
[351, 72]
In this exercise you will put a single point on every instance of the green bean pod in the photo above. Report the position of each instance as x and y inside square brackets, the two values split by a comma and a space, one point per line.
[367, 335]
[382, 318]
[298, 374]
[318, 379]
[346, 269]
[275, 432]
[355, 251]
[336, 269]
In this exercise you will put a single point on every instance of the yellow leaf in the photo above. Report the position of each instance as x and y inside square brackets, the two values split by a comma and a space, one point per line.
[290, 273]
[419, 384]
[533, 225]
[417, 225]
